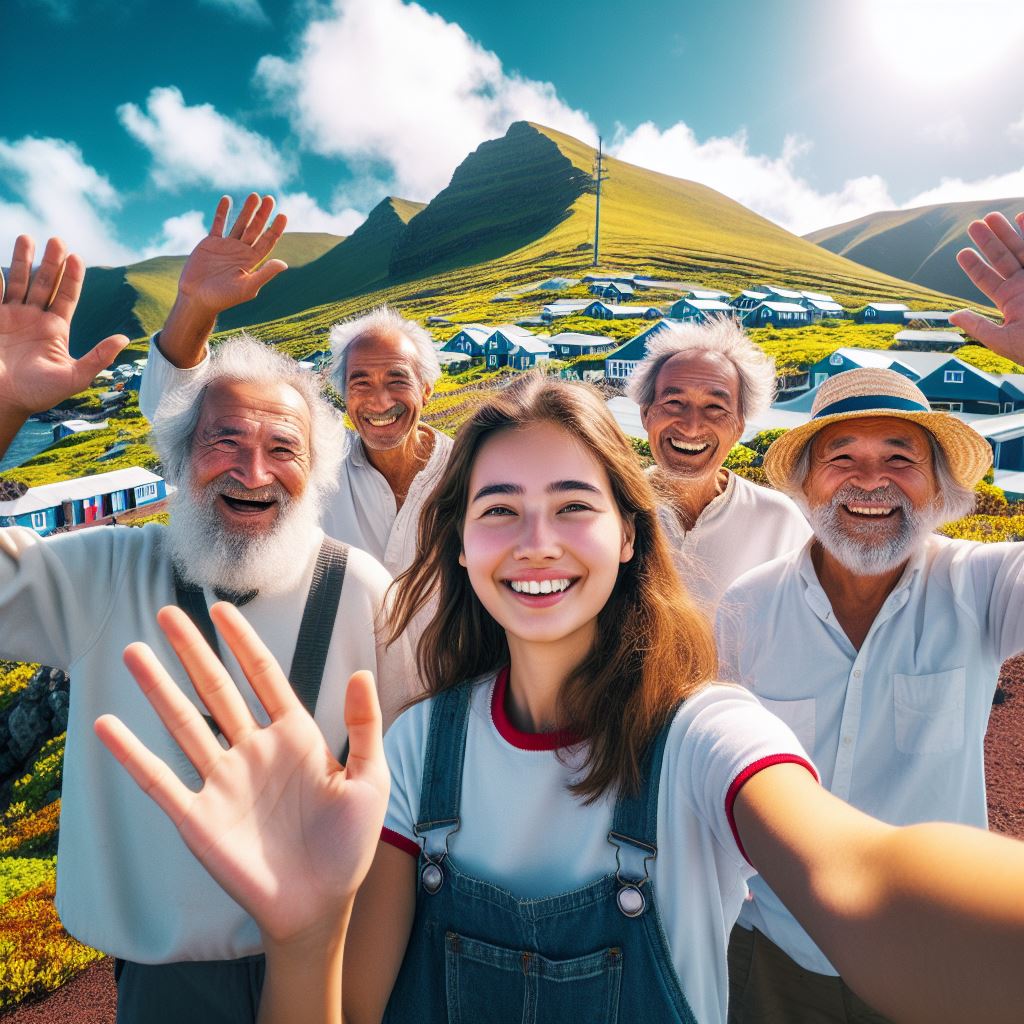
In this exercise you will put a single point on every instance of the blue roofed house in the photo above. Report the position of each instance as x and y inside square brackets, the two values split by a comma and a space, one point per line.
[616, 292]
[621, 363]
[702, 311]
[881, 313]
[776, 314]
[470, 340]
[83, 500]
[528, 352]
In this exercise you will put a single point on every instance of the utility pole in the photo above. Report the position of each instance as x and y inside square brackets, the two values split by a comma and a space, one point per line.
[599, 176]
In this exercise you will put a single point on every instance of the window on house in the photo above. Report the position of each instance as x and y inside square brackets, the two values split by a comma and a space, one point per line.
[145, 491]
[835, 359]
[38, 520]
[953, 376]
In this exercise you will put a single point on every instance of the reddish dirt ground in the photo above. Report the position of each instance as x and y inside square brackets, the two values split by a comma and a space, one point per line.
[90, 998]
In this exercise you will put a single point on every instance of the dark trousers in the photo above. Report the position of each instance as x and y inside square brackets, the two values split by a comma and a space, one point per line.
[200, 992]
[766, 986]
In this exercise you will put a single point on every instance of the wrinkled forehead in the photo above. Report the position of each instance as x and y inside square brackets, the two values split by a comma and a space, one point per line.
[381, 353]
[709, 372]
[241, 405]
[886, 432]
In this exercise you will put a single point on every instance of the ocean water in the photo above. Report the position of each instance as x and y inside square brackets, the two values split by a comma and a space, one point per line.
[30, 440]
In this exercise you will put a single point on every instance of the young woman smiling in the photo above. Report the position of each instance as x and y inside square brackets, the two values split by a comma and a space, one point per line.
[574, 806]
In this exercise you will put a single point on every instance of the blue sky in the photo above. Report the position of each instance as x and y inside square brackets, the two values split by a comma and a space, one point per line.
[123, 120]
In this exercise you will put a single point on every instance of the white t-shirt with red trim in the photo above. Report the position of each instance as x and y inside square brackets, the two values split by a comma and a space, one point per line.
[522, 829]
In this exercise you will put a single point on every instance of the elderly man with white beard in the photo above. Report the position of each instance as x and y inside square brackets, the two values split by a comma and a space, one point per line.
[879, 643]
[254, 451]
[385, 368]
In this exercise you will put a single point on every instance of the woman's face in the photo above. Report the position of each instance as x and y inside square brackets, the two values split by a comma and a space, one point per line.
[543, 538]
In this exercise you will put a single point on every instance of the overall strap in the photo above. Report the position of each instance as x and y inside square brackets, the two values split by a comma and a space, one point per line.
[191, 600]
[317, 628]
[634, 832]
[441, 786]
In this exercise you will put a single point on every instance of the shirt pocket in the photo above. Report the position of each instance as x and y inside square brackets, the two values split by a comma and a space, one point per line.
[929, 711]
[798, 715]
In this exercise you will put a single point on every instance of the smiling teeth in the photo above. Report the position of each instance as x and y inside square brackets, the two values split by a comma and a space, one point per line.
[690, 449]
[377, 422]
[869, 510]
[539, 586]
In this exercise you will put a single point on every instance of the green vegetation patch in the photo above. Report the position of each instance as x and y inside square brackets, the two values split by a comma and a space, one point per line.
[19, 874]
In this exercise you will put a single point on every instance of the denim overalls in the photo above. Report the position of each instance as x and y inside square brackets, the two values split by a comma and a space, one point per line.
[478, 955]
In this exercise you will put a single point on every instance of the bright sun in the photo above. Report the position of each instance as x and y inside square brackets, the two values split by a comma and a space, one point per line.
[938, 42]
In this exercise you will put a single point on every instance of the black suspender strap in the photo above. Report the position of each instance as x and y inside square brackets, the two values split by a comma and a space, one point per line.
[314, 639]
[307, 671]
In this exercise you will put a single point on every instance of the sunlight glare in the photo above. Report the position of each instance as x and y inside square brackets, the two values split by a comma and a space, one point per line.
[943, 42]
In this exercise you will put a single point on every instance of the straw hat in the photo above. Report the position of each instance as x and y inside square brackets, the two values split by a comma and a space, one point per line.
[856, 394]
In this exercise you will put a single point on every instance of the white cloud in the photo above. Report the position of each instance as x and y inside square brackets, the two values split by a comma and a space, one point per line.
[53, 191]
[955, 190]
[179, 235]
[381, 82]
[770, 186]
[248, 10]
[305, 214]
[197, 145]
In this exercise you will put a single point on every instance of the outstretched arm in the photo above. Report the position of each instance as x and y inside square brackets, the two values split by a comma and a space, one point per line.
[926, 923]
[224, 270]
[36, 368]
[998, 271]
[281, 826]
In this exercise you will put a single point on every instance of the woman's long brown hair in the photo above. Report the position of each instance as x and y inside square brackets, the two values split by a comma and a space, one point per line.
[653, 647]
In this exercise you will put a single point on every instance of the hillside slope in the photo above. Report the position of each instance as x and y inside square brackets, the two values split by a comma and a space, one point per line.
[135, 299]
[356, 264]
[918, 245]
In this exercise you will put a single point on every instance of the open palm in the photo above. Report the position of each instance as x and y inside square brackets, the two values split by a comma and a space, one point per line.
[998, 271]
[280, 825]
[225, 270]
[37, 370]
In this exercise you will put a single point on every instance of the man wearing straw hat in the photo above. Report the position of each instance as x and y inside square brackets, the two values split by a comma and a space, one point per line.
[878, 642]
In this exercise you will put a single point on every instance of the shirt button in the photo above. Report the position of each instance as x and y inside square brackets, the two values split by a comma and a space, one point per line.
[847, 741]
[857, 674]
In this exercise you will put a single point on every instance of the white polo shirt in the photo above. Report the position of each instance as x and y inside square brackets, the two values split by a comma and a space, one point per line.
[363, 511]
[897, 728]
[740, 528]
[522, 829]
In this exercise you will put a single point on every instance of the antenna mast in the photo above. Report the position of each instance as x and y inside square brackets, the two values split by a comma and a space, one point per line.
[599, 176]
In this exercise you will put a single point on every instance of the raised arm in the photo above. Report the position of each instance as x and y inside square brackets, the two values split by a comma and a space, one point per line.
[926, 923]
[281, 826]
[36, 368]
[997, 269]
[224, 270]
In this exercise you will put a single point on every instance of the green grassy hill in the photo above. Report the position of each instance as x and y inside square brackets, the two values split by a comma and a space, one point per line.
[134, 300]
[918, 245]
[356, 264]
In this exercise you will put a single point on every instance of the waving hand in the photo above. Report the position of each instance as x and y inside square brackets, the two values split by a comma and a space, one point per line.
[280, 825]
[998, 271]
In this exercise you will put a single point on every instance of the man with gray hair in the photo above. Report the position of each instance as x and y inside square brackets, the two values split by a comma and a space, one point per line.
[696, 387]
[253, 450]
[878, 642]
[385, 368]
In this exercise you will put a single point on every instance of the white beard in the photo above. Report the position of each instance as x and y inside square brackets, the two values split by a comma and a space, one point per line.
[871, 556]
[208, 555]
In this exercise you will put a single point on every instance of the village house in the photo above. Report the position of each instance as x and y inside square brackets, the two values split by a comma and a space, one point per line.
[929, 341]
[515, 347]
[927, 318]
[775, 294]
[612, 290]
[470, 341]
[83, 500]
[68, 427]
[621, 363]
[610, 311]
[706, 294]
[748, 299]
[821, 309]
[566, 307]
[881, 313]
[569, 344]
[776, 314]
[702, 311]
